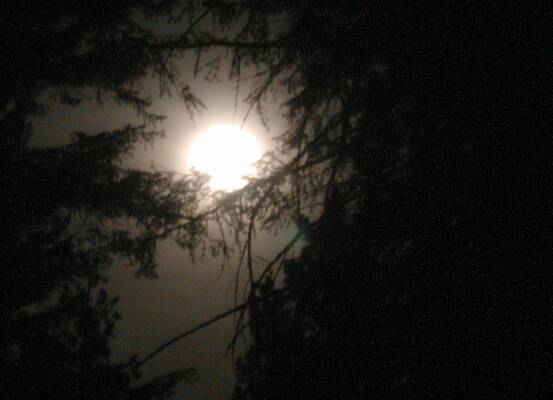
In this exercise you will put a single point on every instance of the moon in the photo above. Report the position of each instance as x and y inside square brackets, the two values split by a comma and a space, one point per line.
[227, 154]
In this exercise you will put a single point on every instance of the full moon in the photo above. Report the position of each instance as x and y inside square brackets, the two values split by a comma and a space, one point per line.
[227, 154]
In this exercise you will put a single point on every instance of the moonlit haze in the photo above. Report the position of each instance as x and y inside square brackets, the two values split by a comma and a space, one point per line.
[227, 154]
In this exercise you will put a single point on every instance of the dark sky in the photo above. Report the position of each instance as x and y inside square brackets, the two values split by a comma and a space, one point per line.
[185, 293]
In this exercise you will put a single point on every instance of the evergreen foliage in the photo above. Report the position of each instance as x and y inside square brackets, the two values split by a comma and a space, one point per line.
[414, 167]
[62, 207]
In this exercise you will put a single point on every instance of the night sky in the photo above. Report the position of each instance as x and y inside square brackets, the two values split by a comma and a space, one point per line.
[185, 293]
[391, 246]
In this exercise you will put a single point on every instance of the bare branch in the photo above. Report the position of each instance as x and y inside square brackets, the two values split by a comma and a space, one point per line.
[242, 308]
[190, 332]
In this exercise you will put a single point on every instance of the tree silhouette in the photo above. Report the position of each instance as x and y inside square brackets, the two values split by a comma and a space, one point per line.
[413, 168]
[346, 323]
[62, 206]
[424, 129]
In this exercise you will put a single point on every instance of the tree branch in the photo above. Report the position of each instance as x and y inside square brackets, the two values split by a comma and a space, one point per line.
[190, 332]
[241, 307]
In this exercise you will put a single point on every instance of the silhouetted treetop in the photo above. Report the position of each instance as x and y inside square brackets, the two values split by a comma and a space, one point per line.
[414, 164]
[429, 120]
[71, 212]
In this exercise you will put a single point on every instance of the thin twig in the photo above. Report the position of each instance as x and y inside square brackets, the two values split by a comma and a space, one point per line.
[191, 331]
[241, 308]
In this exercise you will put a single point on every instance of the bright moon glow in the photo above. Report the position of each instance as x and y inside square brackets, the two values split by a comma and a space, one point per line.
[226, 154]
